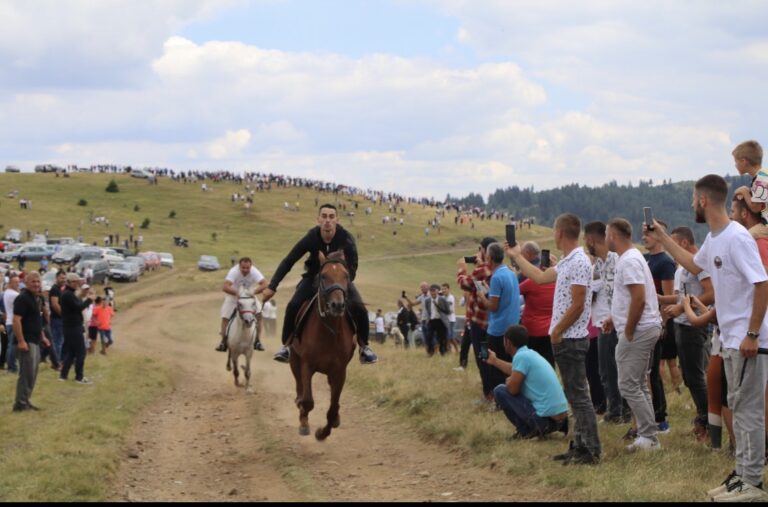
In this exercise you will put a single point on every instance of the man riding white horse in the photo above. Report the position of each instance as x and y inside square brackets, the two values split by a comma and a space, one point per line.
[243, 275]
[327, 237]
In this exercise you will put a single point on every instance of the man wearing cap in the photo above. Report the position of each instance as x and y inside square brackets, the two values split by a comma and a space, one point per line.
[72, 318]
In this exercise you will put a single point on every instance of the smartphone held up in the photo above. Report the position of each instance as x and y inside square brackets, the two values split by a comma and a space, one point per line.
[511, 235]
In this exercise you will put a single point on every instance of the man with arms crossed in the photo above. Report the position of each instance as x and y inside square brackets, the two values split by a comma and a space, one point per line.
[730, 256]
[635, 316]
[568, 331]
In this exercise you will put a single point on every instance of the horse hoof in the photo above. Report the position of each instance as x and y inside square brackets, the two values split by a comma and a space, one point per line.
[249, 390]
[321, 435]
[304, 431]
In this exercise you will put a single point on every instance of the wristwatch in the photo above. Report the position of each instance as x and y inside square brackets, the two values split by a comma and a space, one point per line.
[753, 334]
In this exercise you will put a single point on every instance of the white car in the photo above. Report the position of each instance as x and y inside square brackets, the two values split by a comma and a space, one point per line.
[166, 259]
[111, 256]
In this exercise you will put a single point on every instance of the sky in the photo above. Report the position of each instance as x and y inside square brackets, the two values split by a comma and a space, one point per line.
[420, 97]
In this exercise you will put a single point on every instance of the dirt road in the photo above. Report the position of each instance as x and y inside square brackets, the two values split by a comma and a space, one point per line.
[210, 441]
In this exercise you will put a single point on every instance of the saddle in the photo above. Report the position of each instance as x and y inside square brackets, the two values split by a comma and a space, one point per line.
[301, 318]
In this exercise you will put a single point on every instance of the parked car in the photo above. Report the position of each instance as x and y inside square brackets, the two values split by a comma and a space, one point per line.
[91, 253]
[111, 256]
[12, 169]
[139, 261]
[152, 260]
[39, 239]
[60, 241]
[127, 271]
[139, 173]
[125, 252]
[70, 253]
[208, 263]
[99, 266]
[7, 254]
[13, 235]
[166, 259]
[30, 252]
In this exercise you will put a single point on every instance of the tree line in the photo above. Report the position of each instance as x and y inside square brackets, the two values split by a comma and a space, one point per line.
[670, 202]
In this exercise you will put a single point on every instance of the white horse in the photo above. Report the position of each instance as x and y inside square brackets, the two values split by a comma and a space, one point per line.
[242, 332]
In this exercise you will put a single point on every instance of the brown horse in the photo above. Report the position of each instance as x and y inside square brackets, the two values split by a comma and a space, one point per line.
[326, 343]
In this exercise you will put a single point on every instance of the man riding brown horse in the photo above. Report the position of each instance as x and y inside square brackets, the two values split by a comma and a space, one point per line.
[327, 237]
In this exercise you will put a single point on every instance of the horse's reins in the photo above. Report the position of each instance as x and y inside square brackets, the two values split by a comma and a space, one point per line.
[323, 292]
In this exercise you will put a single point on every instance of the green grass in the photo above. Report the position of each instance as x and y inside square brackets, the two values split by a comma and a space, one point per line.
[68, 451]
[82, 430]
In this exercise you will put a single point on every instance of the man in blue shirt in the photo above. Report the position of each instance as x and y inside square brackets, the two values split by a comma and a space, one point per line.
[532, 399]
[503, 304]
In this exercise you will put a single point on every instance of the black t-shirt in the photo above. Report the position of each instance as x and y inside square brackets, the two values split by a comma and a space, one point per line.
[662, 268]
[27, 306]
[54, 292]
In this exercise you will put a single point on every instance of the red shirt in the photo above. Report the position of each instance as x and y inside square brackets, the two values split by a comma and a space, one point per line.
[477, 310]
[762, 247]
[537, 313]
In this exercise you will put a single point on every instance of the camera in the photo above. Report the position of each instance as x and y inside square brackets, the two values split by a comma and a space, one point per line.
[471, 260]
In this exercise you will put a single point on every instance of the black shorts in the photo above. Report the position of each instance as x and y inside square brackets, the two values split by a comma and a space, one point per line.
[723, 387]
[93, 333]
[668, 345]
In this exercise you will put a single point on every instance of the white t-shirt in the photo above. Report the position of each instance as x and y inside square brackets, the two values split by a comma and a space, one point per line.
[9, 296]
[574, 269]
[632, 269]
[269, 311]
[683, 276]
[602, 287]
[379, 324]
[422, 298]
[238, 280]
[733, 262]
[452, 306]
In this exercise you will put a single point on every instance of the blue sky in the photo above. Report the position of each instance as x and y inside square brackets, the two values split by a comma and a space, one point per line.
[422, 97]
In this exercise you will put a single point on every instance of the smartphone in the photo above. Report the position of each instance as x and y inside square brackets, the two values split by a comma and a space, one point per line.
[483, 355]
[685, 289]
[403, 295]
[480, 287]
[471, 260]
[648, 214]
[511, 235]
[545, 261]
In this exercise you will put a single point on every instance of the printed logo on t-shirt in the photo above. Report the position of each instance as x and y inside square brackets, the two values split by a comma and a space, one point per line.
[718, 262]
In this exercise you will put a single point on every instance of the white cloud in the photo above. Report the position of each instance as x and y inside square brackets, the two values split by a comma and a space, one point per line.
[229, 146]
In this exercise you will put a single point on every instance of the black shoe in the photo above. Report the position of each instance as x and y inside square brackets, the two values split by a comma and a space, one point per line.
[33, 407]
[563, 426]
[222, 347]
[283, 355]
[567, 455]
[258, 346]
[630, 435]
[583, 456]
[19, 408]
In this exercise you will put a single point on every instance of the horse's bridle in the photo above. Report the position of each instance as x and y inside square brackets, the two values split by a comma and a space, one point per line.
[323, 291]
[242, 312]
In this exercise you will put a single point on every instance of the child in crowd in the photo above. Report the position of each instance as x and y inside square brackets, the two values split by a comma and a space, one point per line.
[748, 158]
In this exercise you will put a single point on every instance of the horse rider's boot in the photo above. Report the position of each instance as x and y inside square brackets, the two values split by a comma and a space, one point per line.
[222, 345]
[366, 355]
[282, 355]
[258, 346]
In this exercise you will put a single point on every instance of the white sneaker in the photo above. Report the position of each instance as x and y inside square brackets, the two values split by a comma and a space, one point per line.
[742, 492]
[84, 380]
[645, 444]
[723, 487]
[459, 368]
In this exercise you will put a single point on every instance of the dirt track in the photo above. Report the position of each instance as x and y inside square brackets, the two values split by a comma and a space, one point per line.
[210, 441]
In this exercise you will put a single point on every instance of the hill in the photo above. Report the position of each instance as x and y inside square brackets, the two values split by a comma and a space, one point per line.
[670, 202]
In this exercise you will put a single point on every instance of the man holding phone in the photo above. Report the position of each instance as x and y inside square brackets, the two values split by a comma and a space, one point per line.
[478, 324]
[503, 304]
[569, 333]
[730, 255]
[692, 342]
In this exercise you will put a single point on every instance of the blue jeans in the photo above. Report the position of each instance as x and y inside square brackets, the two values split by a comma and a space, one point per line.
[520, 412]
[11, 356]
[106, 336]
[57, 333]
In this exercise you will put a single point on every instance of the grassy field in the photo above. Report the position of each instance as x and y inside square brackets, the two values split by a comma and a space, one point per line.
[435, 401]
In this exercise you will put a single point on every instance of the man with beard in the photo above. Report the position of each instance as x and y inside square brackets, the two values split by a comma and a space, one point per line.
[730, 255]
